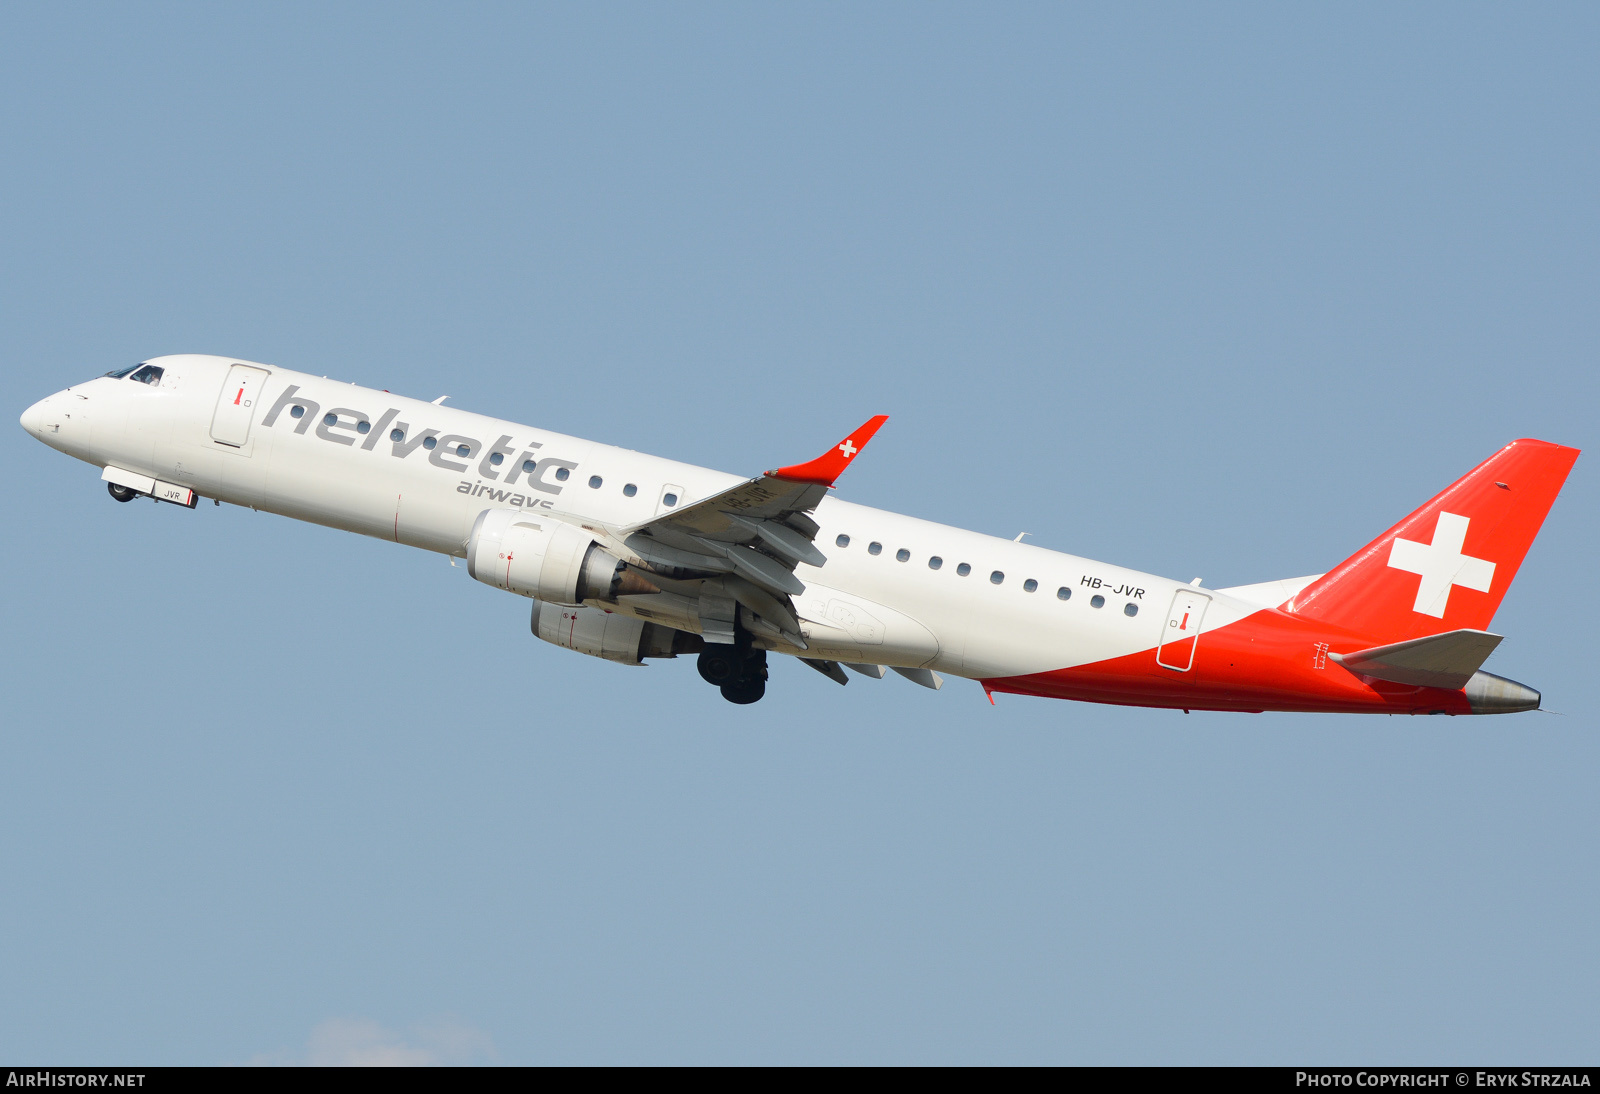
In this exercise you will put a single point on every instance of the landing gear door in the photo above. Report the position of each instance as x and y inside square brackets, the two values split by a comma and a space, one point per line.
[236, 406]
[1181, 632]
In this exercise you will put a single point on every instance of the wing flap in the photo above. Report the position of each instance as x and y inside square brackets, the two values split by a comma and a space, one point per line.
[784, 540]
[657, 551]
[765, 570]
[926, 677]
[830, 669]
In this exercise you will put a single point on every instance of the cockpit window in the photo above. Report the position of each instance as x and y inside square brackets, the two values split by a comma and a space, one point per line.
[147, 374]
[117, 374]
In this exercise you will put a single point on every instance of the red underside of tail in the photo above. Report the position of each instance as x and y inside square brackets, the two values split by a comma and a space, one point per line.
[1267, 661]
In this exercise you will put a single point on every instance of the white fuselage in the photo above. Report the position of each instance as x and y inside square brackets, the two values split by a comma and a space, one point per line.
[884, 606]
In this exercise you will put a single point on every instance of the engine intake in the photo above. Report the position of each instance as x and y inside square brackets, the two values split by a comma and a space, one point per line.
[546, 559]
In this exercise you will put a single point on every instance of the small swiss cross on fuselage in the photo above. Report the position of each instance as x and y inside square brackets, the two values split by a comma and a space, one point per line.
[847, 448]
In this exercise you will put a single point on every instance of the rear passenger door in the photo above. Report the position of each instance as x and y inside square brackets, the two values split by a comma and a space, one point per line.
[1181, 632]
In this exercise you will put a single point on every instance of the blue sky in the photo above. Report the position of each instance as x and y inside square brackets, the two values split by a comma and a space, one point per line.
[1217, 291]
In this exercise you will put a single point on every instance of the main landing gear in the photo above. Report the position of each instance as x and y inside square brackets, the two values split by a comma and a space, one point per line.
[739, 670]
[121, 493]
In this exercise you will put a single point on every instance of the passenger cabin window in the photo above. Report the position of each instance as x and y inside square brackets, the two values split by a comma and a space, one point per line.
[1097, 601]
[1130, 610]
[963, 570]
[935, 562]
[430, 443]
[996, 578]
[495, 458]
[1030, 585]
[297, 411]
[563, 474]
[1063, 593]
[874, 548]
[463, 450]
[147, 374]
[364, 428]
[595, 482]
[669, 500]
[528, 466]
[630, 490]
[841, 541]
[330, 419]
[397, 435]
[902, 555]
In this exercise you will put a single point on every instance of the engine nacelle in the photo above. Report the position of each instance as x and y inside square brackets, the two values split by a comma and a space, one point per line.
[611, 635]
[545, 558]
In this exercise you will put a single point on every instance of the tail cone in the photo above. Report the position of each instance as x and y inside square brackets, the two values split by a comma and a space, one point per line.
[1491, 694]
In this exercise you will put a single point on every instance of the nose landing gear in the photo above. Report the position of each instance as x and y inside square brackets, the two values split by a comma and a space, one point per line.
[738, 670]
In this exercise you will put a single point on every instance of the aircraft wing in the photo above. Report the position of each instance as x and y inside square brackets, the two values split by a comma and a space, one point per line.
[756, 532]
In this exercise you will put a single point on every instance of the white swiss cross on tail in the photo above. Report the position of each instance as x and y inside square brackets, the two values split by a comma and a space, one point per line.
[847, 448]
[1441, 565]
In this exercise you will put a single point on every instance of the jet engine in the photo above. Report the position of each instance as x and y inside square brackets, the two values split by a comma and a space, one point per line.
[546, 559]
[611, 635]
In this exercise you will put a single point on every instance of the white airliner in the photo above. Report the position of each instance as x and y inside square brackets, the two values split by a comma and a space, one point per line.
[628, 556]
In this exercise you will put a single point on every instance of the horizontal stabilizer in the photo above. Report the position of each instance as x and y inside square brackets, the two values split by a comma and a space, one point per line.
[1445, 660]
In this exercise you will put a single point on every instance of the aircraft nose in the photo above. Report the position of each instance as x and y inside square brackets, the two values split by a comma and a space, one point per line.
[33, 419]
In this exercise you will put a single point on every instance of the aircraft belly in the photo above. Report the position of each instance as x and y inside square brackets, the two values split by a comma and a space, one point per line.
[841, 625]
[326, 489]
[432, 518]
[243, 478]
[188, 464]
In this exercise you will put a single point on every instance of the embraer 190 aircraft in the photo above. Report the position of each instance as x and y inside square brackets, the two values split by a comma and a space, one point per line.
[627, 556]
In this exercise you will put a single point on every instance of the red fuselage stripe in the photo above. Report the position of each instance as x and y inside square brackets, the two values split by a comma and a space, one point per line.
[1266, 661]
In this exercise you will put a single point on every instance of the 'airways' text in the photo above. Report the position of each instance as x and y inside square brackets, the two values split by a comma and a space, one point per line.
[505, 497]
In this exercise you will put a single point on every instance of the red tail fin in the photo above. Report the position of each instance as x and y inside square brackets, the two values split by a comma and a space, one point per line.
[1446, 566]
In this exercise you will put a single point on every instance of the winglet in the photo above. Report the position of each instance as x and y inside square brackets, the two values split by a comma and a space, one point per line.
[826, 468]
